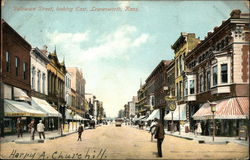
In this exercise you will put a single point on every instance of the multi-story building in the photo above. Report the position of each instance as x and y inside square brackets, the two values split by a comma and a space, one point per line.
[56, 84]
[126, 111]
[39, 85]
[67, 94]
[78, 85]
[131, 105]
[140, 107]
[155, 84]
[219, 72]
[14, 78]
[90, 98]
[170, 91]
[183, 45]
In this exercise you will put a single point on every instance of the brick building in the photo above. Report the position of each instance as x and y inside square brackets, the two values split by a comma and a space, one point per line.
[219, 72]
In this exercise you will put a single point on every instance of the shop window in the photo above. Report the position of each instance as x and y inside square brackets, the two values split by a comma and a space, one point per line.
[17, 63]
[215, 78]
[224, 76]
[191, 86]
[7, 62]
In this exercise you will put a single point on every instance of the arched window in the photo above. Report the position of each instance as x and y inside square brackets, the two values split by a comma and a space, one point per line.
[39, 81]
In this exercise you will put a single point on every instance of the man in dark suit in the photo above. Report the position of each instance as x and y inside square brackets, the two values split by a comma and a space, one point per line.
[159, 135]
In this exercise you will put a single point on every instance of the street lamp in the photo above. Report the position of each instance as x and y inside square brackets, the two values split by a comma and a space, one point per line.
[213, 109]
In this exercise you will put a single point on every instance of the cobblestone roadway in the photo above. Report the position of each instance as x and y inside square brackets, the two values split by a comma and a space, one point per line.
[112, 142]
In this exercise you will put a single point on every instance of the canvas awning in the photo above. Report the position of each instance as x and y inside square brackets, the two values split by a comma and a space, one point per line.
[45, 107]
[154, 114]
[78, 117]
[140, 118]
[178, 114]
[232, 108]
[20, 94]
[69, 114]
[17, 109]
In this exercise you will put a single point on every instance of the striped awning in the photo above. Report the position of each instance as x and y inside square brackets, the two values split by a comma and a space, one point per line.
[232, 108]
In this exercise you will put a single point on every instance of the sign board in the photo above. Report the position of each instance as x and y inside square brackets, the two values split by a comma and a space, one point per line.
[168, 98]
[172, 106]
[243, 132]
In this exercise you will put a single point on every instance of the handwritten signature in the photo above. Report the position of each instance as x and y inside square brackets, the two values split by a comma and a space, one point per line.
[91, 153]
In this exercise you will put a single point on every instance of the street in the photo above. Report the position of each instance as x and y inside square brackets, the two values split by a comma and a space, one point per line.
[110, 142]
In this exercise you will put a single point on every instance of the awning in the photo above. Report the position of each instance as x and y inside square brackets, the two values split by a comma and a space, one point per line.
[45, 107]
[179, 113]
[69, 114]
[19, 94]
[78, 117]
[154, 114]
[16, 109]
[232, 108]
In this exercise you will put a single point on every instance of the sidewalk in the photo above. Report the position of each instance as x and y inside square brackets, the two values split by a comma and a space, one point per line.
[26, 139]
[203, 139]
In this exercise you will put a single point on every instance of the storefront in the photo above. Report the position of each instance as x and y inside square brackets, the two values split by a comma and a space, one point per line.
[52, 116]
[230, 115]
[178, 116]
[15, 109]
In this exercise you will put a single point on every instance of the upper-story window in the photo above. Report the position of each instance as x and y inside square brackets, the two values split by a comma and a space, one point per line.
[186, 88]
[201, 78]
[17, 62]
[191, 86]
[208, 80]
[215, 76]
[25, 67]
[33, 78]
[224, 74]
[7, 62]
[43, 85]
[38, 81]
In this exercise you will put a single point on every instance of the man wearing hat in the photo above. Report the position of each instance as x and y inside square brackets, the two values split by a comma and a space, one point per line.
[159, 135]
[40, 129]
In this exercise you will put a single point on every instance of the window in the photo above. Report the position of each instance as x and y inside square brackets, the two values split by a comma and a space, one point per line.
[25, 66]
[38, 81]
[224, 77]
[17, 65]
[201, 83]
[191, 86]
[181, 91]
[186, 88]
[215, 76]
[208, 80]
[44, 78]
[33, 78]
[7, 62]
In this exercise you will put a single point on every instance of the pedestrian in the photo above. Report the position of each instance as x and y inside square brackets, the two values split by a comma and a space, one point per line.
[19, 128]
[159, 135]
[40, 129]
[198, 130]
[80, 130]
[32, 129]
[152, 129]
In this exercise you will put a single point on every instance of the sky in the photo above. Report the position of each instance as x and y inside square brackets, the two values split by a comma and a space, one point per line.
[114, 48]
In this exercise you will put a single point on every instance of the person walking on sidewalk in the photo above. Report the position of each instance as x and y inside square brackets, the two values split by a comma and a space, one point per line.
[19, 128]
[152, 128]
[40, 129]
[159, 135]
[32, 129]
[80, 130]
